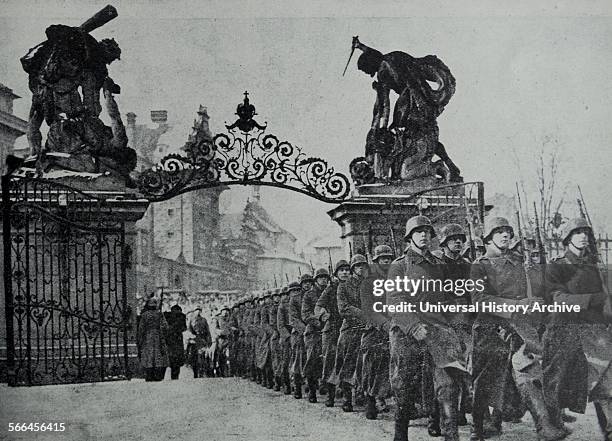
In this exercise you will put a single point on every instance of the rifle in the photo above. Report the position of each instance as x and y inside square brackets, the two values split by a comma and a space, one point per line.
[275, 284]
[471, 237]
[353, 47]
[526, 257]
[538, 238]
[393, 240]
[520, 205]
[300, 271]
[287, 277]
[585, 215]
[312, 267]
[350, 250]
[331, 264]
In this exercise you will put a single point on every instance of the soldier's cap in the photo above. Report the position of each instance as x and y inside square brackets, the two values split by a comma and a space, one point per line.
[495, 223]
[573, 225]
[305, 278]
[358, 259]
[151, 303]
[322, 272]
[382, 251]
[418, 222]
[341, 264]
[176, 307]
[293, 286]
[451, 230]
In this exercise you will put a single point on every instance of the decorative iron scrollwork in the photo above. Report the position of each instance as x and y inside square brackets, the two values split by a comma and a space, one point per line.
[245, 155]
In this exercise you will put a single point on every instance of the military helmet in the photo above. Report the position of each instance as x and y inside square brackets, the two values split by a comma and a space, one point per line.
[284, 290]
[321, 272]
[416, 222]
[494, 223]
[451, 230]
[341, 263]
[276, 292]
[306, 278]
[573, 225]
[294, 286]
[358, 259]
[382, 251]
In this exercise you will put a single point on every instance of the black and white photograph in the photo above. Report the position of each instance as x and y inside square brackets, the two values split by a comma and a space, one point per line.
[252, 220]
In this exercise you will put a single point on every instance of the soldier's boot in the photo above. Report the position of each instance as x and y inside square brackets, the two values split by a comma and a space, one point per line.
[297, 383]
[603, 409]
[371, 411]
[477, 433]
[433, 421]
[331, 395]
[323, 388]
[312, 390]
[534, 399]
[448, 398]
[287, 382]
[567, 418]
[347, 393]
[277, 383]
[492, 423]
[402, 420]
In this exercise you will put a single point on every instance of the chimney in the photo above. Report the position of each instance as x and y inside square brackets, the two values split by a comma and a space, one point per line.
[159, 116]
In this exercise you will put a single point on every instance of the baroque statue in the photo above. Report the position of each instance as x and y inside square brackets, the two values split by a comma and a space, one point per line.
[66, 73]
[404, 149]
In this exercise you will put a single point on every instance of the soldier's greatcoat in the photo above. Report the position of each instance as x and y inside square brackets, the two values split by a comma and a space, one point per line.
[347, 352]
[283, 326]
[298, 353]
[312, 333]
[328, 303]
[577, 346]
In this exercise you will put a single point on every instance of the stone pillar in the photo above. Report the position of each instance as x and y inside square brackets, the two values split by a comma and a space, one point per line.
[377, 213]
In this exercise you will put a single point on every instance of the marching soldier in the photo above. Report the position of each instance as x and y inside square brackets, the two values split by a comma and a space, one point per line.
[312, 334]
[297, 333]
[264, 360]
[417, 334]
[326, 309]
[578, 346]
[234, 343]
[275, 347]
[283, 325]
[374, 350]
[256, 337]
[501, 339]
[349, 307]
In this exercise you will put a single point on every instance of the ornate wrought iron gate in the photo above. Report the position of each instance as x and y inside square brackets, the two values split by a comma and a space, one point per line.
[64, 285]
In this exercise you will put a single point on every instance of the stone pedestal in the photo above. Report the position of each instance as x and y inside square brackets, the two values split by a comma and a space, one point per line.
[377, 213]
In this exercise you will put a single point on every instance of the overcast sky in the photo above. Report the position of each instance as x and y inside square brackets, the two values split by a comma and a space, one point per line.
[528, 73]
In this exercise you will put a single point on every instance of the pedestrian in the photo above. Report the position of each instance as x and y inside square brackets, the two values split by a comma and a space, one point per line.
[312, 333]
[507, 348]
[202, 340]
[326, 309]
[578, 346]
[349, 307]
[419, 336]
[151, 340]
[177, 324]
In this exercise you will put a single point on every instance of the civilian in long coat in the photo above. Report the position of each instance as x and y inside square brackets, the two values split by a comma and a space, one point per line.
[151, 340]
[177, 324]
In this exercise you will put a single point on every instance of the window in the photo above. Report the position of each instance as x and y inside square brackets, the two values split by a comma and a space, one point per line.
[170, 212]
[170, 233]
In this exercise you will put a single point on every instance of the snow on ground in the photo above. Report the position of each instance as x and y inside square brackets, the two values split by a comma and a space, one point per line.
[211, 409]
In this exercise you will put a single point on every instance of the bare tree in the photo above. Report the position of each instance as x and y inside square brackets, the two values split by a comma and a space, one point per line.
[545, 185]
